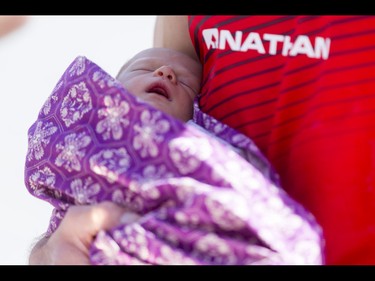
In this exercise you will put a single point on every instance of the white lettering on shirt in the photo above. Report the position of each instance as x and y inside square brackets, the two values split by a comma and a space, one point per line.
[253, 41]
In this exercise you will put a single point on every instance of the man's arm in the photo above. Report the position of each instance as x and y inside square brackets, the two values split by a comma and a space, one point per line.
[173, 32]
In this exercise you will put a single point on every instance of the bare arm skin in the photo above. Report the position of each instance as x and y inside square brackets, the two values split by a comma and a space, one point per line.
[71, 241]
[10, 23]
[172, 32]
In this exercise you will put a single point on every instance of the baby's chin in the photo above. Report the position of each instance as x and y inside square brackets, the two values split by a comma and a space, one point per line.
[168, 108]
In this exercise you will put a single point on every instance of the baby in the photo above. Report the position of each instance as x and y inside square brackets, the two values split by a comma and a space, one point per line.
[130, 140]
[164, 78]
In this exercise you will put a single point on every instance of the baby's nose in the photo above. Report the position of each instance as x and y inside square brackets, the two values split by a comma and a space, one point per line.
[167, 72]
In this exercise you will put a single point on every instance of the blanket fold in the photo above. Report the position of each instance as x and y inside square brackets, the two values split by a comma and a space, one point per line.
[202, 192]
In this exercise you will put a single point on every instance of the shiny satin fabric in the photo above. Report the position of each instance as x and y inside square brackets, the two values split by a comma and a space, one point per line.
[199, 192]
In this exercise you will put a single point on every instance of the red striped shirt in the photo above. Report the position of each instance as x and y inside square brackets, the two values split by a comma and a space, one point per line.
[303, 88]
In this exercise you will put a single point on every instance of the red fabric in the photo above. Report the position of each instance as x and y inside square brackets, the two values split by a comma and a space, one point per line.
[313, 117]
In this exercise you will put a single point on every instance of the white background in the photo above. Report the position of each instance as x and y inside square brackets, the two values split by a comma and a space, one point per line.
[32, 59]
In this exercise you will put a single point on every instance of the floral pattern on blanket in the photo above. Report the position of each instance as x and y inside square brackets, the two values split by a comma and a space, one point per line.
[199, 192]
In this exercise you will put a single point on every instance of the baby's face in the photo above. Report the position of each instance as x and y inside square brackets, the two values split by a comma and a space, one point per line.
[165, 79]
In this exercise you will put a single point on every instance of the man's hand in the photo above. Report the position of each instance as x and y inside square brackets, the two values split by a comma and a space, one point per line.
[71, 241]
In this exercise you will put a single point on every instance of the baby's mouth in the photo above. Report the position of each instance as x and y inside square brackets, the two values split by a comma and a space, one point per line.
[159, 90]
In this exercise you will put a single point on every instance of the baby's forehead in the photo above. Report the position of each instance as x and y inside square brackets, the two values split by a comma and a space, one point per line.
[150, 52]
[157, 54]
[152, 56]
[147, 56]
[155, 57]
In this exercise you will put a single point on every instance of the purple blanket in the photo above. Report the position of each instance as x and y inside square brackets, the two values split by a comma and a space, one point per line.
[199, 200]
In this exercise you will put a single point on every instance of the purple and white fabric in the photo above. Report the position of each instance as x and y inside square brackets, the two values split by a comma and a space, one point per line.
[202, 192]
